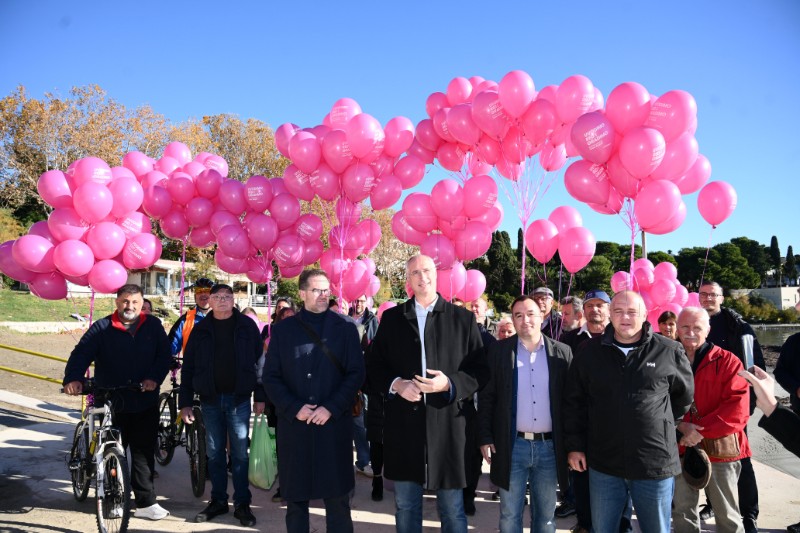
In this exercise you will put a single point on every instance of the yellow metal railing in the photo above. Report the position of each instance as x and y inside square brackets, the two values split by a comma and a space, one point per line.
[37, 354]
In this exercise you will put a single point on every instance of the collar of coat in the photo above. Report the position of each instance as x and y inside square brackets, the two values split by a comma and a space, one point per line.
[439, 307]
[608, 335]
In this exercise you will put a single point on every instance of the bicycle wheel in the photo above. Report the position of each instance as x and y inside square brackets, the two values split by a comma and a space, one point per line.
[114, 501]
[79, 462]
[166, 439]
[196, 447]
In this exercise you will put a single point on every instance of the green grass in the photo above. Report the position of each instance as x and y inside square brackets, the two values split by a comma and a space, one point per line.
[18, 306]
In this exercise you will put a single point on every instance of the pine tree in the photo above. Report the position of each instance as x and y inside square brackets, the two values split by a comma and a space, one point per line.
[775, 258]
[790, 267]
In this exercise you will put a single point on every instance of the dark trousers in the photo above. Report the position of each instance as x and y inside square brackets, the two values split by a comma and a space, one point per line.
[748, 493]
[473, 459]
[139, 434]
[337, 515]
[376, 457]
[583, 506]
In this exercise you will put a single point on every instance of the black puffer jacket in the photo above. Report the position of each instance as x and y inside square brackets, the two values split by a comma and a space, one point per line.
[621, 411]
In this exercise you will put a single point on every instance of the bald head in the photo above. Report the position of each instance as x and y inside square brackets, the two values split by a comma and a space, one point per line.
[627, 316]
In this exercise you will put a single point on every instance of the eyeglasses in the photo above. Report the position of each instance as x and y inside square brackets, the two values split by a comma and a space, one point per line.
[709, 295]
[222, 297]
[319, 292]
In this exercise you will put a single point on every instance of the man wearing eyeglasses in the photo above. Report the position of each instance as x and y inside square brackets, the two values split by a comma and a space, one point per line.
[219, 364]
[179, 334]
[730, 332]
[314, 367]
[428, 357]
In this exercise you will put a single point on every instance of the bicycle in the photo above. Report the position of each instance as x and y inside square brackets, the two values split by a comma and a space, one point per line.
[171, 434]
[97, 453]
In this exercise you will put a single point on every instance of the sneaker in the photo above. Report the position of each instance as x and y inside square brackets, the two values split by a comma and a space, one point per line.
[706, 512]
[153, 512]
[212, 510]
[245, 515]
[565, 509]
[277, 498]
[366, 471]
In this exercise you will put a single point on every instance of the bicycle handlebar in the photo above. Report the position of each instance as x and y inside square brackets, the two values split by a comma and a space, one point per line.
[91, 387]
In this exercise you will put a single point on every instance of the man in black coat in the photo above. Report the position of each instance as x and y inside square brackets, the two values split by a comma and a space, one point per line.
[624, 392]
[520, 419]
[314, 367]
[128, 347]
[219, 364]
[428, 357]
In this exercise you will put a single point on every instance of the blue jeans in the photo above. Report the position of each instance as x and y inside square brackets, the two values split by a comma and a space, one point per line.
[408, 513]
[534, 462]
[223, 420]
[652, 499]
[360, 440]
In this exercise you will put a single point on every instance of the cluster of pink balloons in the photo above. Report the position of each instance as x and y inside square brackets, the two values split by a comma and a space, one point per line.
[642, 147]
[93, 236]
[658, 286]
[561, 232]
[502, 124]
[350, 154]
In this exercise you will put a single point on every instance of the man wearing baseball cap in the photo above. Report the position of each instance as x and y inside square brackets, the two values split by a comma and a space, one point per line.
[551, 322]
[596, 314]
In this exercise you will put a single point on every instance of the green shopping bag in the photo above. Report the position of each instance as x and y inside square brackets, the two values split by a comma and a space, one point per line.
[263, 467]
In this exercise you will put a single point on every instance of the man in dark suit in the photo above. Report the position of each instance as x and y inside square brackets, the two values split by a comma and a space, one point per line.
[519, 419]
[428, 357]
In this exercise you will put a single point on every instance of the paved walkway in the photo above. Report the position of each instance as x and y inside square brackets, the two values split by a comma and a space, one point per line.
[35, 493]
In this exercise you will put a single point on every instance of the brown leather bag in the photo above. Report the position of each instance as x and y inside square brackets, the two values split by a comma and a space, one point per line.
[726, 447]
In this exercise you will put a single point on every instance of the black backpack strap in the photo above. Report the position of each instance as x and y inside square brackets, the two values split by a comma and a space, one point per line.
[322, 345]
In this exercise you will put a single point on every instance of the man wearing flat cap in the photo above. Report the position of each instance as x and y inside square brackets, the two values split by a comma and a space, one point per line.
[551, 320]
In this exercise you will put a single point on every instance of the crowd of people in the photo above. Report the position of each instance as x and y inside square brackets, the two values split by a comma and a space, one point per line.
[580, 408]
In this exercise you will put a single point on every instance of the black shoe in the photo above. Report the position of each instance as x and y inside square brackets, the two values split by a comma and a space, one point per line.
[212, 510]
[750, 525]
[565, 509]
[245, 516]
[794, 528]
[469, 507]
[277, 496]
[706, 512]
[496, 496]
[377, 488]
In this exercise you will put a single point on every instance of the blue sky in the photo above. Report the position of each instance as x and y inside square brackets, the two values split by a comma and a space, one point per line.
[289, 62]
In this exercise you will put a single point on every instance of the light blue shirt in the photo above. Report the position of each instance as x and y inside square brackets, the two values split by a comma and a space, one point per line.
[533, 389]
[422, 318]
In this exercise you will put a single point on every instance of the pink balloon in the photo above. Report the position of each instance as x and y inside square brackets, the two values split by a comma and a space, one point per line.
[516, 91]
[231, 195]
[612, 206]
[285, 209]
[134, 224]
[489, 115]
[681, 294]
[192, 168]
[106, 241]
[593, 137]
[208, 183]
[233, 241]
[665, 270]
[576, 248]
[336, 151]
[178, 151]
[474, 286]
[657, 202]
[539, 121]
[332, 263]
[644, 278]
[288, 250]
[641, 151]
[493, 217]
[662, 291]
[305, 151]
[49, 286]
[10, 267]
[229, 264]
[65, 223]
[312, 251]
[441, 126]
[141, 251]
[127, 195]
[324, 183]
[365, 136]
[697, 176]
[386, 192]
[679, 156]
[473, 241]
[288, 272]
[357, 181]
[201, 237]
[672, 114]
[283, 135]
[435, 102]
[409, 170]
[298, 183]
[91, 169]
[347, 212]
[34, 253]
[342, 111]
[167, 165]
[541, 240]
[372, 232]
[620, 281]
[217, 163]
[440, 249]
[93, 201]
[181, 188]
[447, 198]
[259, 270]
[574, 97]
[552, 158]
[404, 231]
[174, 225]
[621, 179]
[54, 189]
[424, 155]
[107, 276]
[418, 212]
[152, 178]
[716, 202]
[121, 172]
[587, 182]
[450, 156]
[565, 217]
[426, 135]
[74, 258]
[458, 91]
[309, 227]
[515, 145]
[509, 170]
[198, 211]
[480, 194]
[628, 106]
[138, 163]
[277, 186]
[461, 125]
[399, 136]
[672, 223]
[450, 282]
[157, 202]
[220, 219]
[42, 230]
[643, 263]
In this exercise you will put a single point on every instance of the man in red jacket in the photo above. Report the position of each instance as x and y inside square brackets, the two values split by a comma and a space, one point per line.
[721, 408]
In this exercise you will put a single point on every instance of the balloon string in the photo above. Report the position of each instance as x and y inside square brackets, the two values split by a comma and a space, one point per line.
[183, 274]
[91, 309]
[269, 306]
[705, 261]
